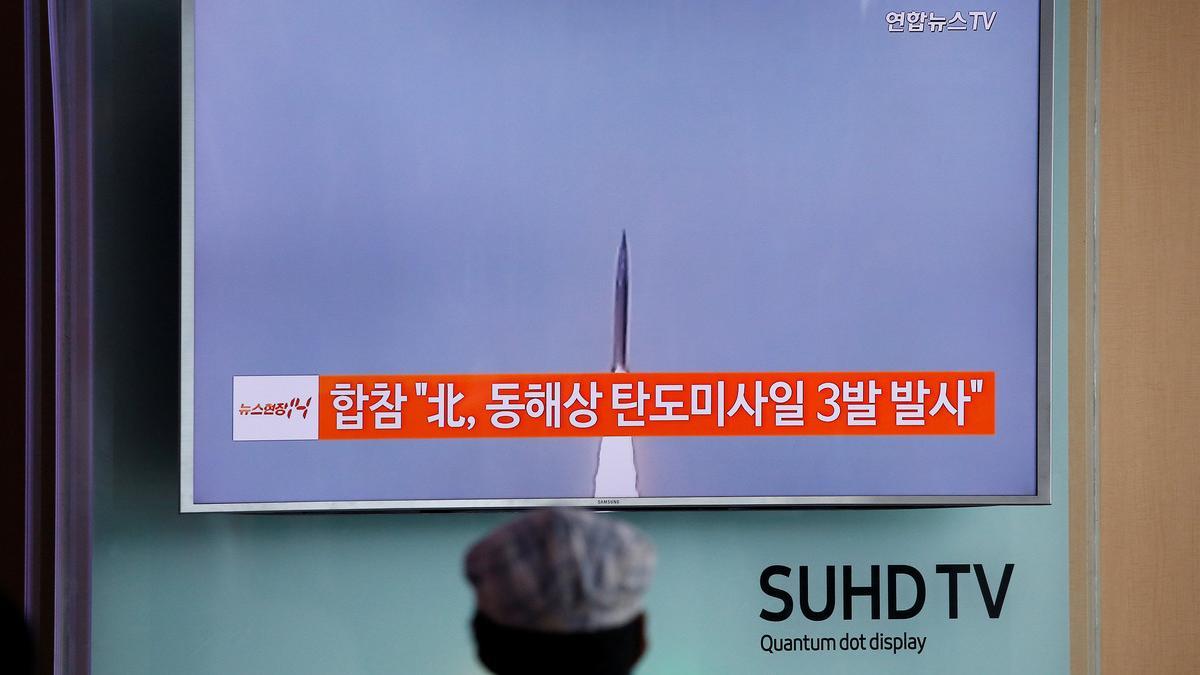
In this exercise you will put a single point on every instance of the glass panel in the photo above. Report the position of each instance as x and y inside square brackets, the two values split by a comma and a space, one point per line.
[915, 590]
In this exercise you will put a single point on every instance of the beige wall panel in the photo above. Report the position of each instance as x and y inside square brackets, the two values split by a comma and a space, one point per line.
[1149, 335]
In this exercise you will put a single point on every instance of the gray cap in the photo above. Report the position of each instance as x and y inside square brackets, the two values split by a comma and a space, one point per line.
[561, 570]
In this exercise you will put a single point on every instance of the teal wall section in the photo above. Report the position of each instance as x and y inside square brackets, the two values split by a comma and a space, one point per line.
[384, 593]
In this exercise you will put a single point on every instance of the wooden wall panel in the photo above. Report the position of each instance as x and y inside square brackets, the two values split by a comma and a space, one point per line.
[1149, 335]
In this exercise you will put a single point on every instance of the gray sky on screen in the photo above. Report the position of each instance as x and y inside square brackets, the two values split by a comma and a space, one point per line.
[403, 187]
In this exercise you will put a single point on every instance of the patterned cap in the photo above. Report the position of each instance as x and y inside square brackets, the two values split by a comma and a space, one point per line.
[561, 571]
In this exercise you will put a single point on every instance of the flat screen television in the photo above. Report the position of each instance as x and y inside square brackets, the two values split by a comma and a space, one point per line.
[506, 254]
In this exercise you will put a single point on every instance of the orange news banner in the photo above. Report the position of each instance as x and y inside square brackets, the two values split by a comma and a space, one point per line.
[656, 404]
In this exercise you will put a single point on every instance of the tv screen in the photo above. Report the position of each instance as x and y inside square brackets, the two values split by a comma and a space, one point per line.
[482, 254]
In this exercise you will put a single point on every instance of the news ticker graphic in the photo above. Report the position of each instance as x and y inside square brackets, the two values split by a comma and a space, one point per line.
[350, 407]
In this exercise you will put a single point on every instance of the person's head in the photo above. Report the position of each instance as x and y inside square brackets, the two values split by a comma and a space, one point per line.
[560, 591]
